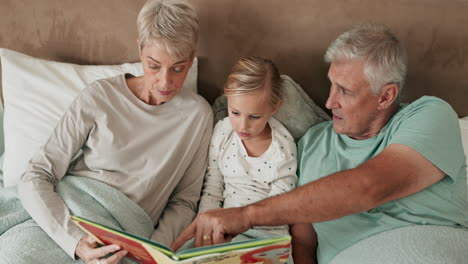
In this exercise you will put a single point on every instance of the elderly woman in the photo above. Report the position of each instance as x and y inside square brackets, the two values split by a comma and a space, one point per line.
[144, 136]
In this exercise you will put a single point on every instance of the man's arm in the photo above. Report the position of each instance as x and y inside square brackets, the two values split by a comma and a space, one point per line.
[304, 243]
[396, 172]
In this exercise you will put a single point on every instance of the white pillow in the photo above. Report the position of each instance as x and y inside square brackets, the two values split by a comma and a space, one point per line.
[297, 113]
[37, 93]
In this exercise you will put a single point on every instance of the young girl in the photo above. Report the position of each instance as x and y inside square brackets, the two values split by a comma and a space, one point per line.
[252, 156]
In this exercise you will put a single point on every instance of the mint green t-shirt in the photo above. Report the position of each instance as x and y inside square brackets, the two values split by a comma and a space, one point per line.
[430, 126]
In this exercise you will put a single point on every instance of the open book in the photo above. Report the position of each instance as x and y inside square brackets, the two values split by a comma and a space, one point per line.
[274, 249]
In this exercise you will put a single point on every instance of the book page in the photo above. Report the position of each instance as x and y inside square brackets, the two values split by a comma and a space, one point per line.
[160, 257]
[233, 246]
[276, 253]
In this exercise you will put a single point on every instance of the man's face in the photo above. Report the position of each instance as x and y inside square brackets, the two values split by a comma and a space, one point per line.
[354, 107]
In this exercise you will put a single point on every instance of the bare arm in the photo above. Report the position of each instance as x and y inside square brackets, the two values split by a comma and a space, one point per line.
[398, 171]
[304, 243]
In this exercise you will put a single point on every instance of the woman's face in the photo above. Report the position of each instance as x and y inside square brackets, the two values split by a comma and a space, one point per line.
[163, 73]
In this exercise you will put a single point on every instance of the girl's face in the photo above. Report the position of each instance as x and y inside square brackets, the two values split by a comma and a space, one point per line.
[249, 114]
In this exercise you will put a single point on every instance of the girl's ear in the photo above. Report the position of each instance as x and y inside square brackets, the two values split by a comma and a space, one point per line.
[277, 106]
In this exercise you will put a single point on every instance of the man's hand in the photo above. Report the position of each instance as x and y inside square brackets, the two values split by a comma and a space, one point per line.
[215, 227]
[87, 250]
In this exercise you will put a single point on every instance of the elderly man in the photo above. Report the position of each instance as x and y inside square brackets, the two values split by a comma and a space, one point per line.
[377, 166]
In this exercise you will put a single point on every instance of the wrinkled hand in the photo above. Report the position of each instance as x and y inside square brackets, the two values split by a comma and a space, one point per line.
[88, 251]
[215, 227]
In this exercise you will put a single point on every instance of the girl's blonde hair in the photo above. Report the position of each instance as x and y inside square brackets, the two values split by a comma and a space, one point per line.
[171, 24]
[252, 75]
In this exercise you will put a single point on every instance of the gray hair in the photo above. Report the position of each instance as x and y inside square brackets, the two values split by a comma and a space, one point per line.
[172, 24]
[385, 57]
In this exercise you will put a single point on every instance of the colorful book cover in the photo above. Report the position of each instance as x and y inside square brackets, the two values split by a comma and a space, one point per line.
[275, 249]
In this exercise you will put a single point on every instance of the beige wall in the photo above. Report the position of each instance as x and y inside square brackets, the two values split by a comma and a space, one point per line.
[294, 33]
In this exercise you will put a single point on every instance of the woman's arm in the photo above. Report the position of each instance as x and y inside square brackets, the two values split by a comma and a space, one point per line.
[182, 205]
[304, 243]
[46, 168]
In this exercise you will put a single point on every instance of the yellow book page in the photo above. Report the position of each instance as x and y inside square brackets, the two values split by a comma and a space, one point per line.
[160, 257]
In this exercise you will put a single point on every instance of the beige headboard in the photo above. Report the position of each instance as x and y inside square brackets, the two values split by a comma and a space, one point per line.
[294, 33]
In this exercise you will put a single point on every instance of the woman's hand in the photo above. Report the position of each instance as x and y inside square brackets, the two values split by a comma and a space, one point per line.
[88, 251]
[214, 227]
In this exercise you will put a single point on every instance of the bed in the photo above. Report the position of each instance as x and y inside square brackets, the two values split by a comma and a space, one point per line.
[294, 34]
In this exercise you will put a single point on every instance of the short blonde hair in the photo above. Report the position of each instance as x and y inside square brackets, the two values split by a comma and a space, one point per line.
[252, 75]
[172, 24]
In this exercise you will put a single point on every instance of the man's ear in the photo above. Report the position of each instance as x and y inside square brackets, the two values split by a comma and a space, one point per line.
[388, 95]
